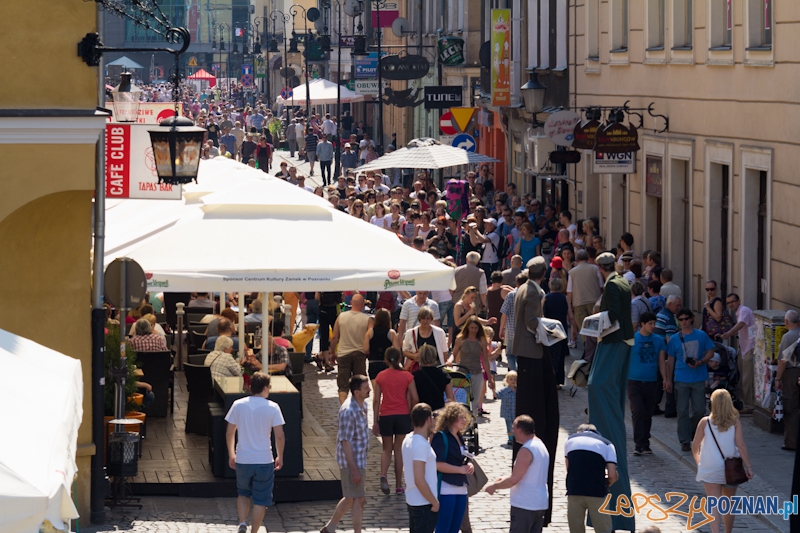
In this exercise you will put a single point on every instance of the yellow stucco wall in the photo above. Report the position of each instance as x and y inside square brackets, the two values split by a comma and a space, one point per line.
[39, 59]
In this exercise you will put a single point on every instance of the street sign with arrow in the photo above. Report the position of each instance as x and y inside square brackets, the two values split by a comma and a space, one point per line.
[464, 141]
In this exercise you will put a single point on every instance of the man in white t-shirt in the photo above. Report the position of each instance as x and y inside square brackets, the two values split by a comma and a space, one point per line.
[489, 259]
[528, 480]
[255, 418]
[566, 220]
[419, 469]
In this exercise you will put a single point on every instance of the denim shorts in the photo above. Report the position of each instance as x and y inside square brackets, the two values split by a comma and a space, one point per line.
[446, 313]
[256, 482]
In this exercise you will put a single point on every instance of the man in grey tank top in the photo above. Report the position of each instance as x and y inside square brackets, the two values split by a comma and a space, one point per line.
[347, 344]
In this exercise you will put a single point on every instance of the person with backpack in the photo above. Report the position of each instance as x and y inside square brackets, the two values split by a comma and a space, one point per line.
[490, 257]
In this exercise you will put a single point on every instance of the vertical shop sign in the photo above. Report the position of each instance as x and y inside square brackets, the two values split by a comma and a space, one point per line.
[501, 57]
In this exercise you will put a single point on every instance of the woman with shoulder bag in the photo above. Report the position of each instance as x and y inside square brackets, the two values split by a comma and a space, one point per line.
[720, 452]
[716, 319]
[452, 466]
[423, 334]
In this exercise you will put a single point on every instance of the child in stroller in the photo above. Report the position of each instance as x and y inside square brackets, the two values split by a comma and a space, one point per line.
[724, 370]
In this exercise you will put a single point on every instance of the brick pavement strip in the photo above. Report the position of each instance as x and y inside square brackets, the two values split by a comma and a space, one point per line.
[655, 474]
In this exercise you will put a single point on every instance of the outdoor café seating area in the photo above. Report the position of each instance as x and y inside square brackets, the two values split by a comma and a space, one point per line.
[183, 450]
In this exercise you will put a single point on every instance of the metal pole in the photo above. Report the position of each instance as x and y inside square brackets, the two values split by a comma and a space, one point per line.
[99, 481]
[308, 74]
[338, 168]
[380, 80]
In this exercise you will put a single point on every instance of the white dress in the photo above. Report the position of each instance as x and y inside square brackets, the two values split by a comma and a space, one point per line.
[712, 465]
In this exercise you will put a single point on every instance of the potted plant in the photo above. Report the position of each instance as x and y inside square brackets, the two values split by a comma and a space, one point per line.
[275, 127]
[112, 360]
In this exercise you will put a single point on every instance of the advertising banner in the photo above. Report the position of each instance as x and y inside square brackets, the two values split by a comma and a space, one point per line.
[367, 67]
[501, 57]
[367, 87]
[151, 112]
[603, 163]
[451, 51]
[130, 166]
[443, 96]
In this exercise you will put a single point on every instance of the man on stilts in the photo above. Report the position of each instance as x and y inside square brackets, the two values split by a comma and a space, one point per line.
[608, 379]
[537, 395]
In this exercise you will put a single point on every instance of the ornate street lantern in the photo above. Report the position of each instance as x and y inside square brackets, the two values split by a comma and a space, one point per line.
[126, 97]
[177, 145]
[533, 93]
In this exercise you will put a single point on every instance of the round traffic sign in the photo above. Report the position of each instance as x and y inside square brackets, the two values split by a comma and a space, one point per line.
[247, 80]
[135, 283]
[446, 124]
[464, 141]
[286, 93]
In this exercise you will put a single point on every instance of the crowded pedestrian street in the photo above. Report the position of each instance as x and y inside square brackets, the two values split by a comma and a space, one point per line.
[667, 470]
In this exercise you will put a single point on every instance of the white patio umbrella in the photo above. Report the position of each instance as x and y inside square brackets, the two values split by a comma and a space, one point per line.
[428, 154]
[43, 393]
[263, 237]
[322, 92]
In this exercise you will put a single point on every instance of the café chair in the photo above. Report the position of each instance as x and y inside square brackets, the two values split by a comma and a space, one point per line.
[157, 368]
[201, 391]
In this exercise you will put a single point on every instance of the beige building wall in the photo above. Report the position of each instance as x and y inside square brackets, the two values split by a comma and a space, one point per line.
[731, 116]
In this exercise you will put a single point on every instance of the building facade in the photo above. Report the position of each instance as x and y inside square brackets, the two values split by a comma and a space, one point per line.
[48, 140]
[713, 192]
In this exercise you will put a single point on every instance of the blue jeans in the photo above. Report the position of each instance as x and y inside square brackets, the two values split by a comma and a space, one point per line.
[421, 519]
[451, 512]
[512, 362]
[312, 317]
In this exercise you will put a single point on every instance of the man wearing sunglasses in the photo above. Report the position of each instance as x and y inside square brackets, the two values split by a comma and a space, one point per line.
[688, 352]
[745, 328]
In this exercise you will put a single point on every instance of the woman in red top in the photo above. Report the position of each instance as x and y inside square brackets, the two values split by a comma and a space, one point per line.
[395, 394]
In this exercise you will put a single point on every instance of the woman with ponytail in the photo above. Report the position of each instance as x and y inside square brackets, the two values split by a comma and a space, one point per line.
[395, 395]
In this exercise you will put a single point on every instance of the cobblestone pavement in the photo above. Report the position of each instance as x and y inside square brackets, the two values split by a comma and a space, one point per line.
[656, 474]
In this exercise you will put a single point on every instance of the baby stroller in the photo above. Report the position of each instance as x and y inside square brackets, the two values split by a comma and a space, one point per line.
[724, 372]
[462, 390]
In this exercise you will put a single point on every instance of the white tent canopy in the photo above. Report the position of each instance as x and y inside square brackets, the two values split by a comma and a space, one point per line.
[43, 393]
[264, 234]
[428, 154]
[322, 92]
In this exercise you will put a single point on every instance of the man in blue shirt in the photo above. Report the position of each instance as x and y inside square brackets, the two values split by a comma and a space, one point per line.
[648, 356]
[229, 140]
[689, 351]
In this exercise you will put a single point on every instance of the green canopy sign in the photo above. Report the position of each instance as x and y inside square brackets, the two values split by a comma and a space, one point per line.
[451, 51]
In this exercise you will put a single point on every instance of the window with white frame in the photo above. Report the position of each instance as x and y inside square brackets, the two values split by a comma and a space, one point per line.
[516, 50]
[532, 20]
[655, 24]
[593, 29]
[544, 33]
[682, 24]
[721, 24]
[562, 34]
[619, 25]
[759, 24]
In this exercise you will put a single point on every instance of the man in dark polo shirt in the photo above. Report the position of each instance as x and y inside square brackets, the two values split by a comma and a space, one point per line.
[589, 458]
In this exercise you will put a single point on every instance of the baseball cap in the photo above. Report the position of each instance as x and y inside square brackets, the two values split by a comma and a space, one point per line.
[491, 221]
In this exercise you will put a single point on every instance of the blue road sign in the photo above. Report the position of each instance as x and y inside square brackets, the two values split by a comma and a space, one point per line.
[247, 80]
[464, 141]
[286, 93]
[247, 69]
